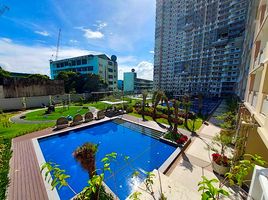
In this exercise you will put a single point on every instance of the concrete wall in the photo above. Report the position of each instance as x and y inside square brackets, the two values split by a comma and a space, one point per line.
[1, 92]
[14, 88]
[37, 102]
[8, 104]
[76, 97]
[12, 104]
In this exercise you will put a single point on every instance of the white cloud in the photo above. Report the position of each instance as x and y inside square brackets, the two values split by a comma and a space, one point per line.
[73, 41]
[43, 33]
[152, 52]
[144, 70]
[90, 34]
[100, 25]
[33, 59]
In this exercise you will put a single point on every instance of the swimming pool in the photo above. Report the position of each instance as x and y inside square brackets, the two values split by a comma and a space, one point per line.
[125, 138]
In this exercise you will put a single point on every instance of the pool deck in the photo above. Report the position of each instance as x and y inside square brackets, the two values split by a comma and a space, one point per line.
[26, 181]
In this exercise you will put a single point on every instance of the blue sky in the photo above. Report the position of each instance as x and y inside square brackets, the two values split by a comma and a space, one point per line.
[29, 32]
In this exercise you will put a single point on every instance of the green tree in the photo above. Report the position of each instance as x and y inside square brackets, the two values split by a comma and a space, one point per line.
[144, 96]
[176, 106]
[157, 96]
[165, 98]
[186, 104]
[4, 73]
[38, 77]
[70, 80]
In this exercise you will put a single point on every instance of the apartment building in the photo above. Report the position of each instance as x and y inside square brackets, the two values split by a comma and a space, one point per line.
[102, 65]
[198, 45]
[132, 84]
[256, 96]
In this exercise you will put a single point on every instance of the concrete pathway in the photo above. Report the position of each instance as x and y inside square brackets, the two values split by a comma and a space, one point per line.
[196, 161]
[181, 181]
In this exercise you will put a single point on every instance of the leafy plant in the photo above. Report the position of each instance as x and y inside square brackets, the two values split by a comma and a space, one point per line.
[94, 190]
[209, 191]
[59, 177]
[222, 140]
[239, 172]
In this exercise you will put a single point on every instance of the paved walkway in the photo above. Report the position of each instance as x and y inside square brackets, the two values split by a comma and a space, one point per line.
[185, 173]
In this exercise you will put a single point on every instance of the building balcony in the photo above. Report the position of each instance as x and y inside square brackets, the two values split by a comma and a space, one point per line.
[259, 184]
[264, 107]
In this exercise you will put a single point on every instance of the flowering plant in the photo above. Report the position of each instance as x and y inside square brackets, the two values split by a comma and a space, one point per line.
[181, 139]
[220, 159]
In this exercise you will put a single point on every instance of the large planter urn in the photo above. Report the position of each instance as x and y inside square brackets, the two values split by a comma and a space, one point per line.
[219, 169]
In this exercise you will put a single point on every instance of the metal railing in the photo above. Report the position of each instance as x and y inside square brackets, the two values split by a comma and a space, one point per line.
[264, 108]
[259, 184]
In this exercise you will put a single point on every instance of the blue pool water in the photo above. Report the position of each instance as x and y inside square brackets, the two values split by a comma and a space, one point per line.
[124, 138]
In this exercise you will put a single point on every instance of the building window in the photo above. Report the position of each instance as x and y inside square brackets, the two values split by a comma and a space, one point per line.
[78, 62]
[110, 70]
[90, 68]
[73, 62]
[110, 76]
[84, 61]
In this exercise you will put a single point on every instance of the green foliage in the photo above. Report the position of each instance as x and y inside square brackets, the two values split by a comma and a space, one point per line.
[59, 177]
[5, 155]
[59, 112]
[79, 83]
[135, 195]
[4, 73]
[239, 172]
[222, 140]
[209, 191]
[229, 120]
[38, 77]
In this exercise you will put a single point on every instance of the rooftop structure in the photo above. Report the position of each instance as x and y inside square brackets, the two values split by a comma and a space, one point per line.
[133, 84]
[198, 45]
[102, 65]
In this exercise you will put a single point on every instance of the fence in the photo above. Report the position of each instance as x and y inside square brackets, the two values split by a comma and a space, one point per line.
[259, 185]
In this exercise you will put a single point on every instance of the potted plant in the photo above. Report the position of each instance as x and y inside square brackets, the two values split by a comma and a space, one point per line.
[220, 162]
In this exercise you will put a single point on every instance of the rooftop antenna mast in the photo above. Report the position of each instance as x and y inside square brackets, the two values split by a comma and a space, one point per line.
[3, 9]
[58, 45]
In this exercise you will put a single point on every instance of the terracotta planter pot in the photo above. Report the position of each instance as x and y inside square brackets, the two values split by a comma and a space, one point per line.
[222, 170]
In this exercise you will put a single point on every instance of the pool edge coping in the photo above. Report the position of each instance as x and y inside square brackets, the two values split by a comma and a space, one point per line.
[40, 157]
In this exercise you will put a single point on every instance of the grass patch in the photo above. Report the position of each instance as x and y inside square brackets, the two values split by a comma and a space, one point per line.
[8, 131]
[99, 105]
[40, 115]
[197, 124]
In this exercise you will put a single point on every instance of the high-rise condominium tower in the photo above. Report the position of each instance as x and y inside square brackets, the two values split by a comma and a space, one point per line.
[198, 45]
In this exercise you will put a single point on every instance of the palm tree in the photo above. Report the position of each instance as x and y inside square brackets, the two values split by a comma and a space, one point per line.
[165, 98]
[186, 105]
[144, 96]
[176, 105]
[200, 103]
[157, 96]
[86, 156]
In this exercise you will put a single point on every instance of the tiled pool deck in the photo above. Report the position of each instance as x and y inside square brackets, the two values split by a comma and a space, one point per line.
[26, 182]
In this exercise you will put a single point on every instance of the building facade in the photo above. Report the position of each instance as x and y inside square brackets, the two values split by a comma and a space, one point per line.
[256, 96]
[120, 85]
[132, 84]
[198, 45]
[102, 65]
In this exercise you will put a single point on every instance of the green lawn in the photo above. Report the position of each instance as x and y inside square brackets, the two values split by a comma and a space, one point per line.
[8, 131]
[198, 122]
[59, 112]
[99, 105]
